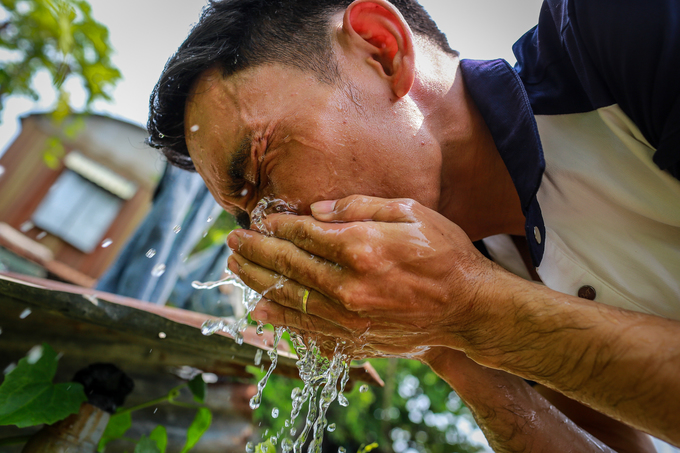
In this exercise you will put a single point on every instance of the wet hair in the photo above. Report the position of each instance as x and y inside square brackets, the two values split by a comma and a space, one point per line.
[233, 35]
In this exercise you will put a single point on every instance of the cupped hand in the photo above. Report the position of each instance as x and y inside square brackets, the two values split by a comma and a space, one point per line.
[389, 275]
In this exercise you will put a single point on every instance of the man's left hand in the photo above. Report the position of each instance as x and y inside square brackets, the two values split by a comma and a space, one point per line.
[390, 275]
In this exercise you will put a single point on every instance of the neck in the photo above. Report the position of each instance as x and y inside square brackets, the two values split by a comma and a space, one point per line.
[476, 191]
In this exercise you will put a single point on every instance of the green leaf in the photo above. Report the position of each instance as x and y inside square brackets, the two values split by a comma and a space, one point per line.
[160, 436]
[117, 426]
[265, 447]
[367, 448]
[28, 397]
[146, 445]
[198, 427]
[197, 387]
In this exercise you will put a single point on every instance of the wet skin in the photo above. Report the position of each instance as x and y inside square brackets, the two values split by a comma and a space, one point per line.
[400, 276]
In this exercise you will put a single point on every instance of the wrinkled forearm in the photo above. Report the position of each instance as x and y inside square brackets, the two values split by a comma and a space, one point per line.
[621, 363]
[512, 415]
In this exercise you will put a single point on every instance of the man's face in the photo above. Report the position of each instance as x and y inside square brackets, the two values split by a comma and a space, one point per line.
[277, 131]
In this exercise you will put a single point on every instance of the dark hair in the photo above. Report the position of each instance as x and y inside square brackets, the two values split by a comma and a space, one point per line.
[236, 34]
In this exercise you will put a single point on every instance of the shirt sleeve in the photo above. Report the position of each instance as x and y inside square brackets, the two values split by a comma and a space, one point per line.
[588, 54]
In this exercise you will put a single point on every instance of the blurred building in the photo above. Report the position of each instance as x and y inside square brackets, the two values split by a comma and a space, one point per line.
[70, 222]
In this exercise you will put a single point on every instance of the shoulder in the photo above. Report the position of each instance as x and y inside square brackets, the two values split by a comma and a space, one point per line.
[588, 54]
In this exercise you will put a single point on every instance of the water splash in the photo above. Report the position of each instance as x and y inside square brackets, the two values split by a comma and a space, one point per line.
[158, 270]
[268, 206]
[256, 400]
[320, 375]
[150, 253]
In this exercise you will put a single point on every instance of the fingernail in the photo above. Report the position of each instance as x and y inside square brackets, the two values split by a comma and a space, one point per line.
[233, 265]
[259, 315]
[323, 207]
[233, 241]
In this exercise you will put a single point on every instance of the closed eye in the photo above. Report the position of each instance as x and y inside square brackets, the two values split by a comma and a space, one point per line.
[237, 169]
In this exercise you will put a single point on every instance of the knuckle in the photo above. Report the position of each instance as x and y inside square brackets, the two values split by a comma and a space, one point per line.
[282, 261]
[299, 234]
[291, 318]
[352, 297]
[401, 209]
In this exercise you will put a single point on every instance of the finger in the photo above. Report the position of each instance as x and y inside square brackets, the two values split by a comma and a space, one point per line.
[287, 292]
[360, 208]
[269, 312]
[285, 258]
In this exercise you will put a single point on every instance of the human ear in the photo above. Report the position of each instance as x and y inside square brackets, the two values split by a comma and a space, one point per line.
[378, 29]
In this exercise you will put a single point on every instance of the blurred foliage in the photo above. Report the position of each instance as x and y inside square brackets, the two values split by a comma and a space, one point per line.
[415, 412]
[217, 234]
[62, 38]
[59, 36]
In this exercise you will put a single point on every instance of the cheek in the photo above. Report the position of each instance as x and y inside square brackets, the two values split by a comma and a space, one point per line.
[305, 181]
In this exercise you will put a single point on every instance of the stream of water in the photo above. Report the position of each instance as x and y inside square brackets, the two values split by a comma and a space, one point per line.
[320, 375]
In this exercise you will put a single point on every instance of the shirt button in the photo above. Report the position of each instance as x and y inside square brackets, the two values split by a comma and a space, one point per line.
[537, 235]
[587, 292]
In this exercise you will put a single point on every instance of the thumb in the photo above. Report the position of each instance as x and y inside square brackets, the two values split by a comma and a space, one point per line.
[360, 207]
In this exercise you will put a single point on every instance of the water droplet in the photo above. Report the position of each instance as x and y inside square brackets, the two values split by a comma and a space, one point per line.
[150, 350]
[34, 354]
[342, 450]
[275, 412]
[259, 329]
[92, 298]
[161, 335]
[151, 253]
[158, 270]
[250, 448]
[258, 357]
[26, 226]
[293, 431]
[211, 326]
[25, 313]
[194, 128]
[9, 368]
[331, 428]
[210, 219]
[41, 235]
[244, 192]
[342, 400]
[176, 229]
[106, 242]
[286, 445]
[205, 233]
[287, 424]
[363, 388]
[255, 402]
[274, 440]
[210, 378]
[155, 410]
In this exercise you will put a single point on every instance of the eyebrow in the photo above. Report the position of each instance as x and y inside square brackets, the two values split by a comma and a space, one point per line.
[238, 164]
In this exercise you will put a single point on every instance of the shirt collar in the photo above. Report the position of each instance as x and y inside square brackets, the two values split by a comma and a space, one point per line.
[502, 101]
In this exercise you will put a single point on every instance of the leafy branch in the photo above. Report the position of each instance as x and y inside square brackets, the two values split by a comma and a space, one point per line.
[62, 37]
[121, 421]
[28, 397]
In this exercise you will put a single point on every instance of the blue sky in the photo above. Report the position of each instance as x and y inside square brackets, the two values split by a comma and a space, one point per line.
[144, 33]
